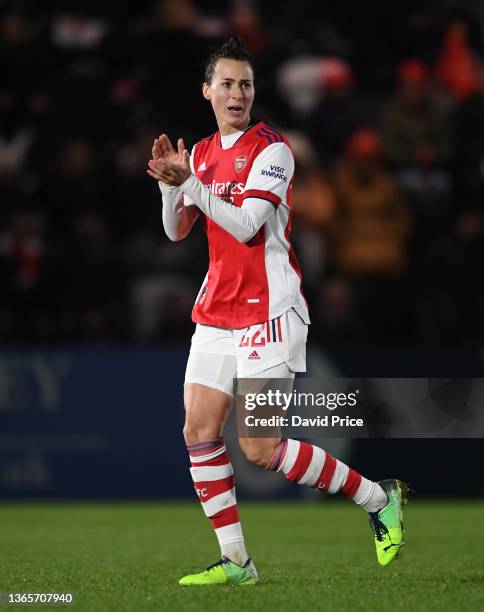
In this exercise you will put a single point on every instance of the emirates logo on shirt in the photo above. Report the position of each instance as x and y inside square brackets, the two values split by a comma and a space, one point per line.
[239, 163]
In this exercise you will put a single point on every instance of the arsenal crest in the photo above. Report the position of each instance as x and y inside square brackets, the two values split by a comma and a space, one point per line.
[239, 163]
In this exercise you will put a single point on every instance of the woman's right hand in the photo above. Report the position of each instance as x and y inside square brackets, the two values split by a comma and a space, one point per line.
[163, 149]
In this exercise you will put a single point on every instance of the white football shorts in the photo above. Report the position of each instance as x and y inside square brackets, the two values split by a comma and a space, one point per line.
[274, 349]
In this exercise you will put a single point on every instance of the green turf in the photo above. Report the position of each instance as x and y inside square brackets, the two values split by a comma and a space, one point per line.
[309, 556]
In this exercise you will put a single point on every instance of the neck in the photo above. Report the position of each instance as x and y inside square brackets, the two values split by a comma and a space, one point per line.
[226, 130]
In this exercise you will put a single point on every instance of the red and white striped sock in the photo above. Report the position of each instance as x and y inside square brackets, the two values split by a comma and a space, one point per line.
[213, 477]
[310, 465]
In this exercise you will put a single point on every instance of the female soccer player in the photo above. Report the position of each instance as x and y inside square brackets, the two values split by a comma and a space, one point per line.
[250, 313]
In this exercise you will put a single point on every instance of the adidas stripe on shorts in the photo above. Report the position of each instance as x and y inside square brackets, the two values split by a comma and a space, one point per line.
[218, 356]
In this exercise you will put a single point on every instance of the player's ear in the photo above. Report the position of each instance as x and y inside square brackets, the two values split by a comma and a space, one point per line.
[206, 91]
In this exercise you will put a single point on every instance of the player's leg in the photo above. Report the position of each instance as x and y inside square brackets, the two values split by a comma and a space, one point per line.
[208, 399]
[206, 412]
[213, 476]
[308, 464]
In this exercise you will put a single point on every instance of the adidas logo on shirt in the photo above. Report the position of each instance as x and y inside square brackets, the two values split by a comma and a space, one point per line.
[202, 167]
[254, 355]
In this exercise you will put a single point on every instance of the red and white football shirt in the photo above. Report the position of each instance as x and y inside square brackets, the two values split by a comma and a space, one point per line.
[259, 280]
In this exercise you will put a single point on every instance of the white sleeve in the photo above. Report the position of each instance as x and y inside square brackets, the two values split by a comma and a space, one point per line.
[178, 214]
[188, 201]
[268, 181]
[271, 174]
[178, 219]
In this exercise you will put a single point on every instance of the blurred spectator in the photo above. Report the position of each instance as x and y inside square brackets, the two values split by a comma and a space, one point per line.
[456, 67]
[27, 277]
[244, 22]
[15, 142]
[300, 83]
[416, 141]
[338, 112]
[414, 130]
[313, 198]
[369, 237]
[176, 14]
[371, 228]
[78, 31]
[162, 305]
[22, 245]
[313, 205]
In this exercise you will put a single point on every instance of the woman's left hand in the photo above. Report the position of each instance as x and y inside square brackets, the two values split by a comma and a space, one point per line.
[173, 169]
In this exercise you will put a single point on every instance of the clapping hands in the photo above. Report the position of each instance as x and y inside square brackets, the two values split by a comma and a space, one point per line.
[170, 166]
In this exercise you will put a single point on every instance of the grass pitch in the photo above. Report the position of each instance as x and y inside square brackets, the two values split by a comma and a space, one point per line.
[310, 556]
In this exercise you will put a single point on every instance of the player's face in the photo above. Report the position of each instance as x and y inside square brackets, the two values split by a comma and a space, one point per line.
[231, 93]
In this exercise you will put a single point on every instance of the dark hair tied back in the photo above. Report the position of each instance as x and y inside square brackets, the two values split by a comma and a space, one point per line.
[232, 48]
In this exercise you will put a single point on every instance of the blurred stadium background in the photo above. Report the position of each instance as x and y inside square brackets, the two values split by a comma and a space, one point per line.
[384, 106]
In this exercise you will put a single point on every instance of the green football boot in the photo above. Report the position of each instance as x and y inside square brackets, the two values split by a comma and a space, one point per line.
[224, 571]
[387, 523]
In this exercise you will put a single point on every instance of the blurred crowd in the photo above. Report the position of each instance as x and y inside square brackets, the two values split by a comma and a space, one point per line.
[384, 108]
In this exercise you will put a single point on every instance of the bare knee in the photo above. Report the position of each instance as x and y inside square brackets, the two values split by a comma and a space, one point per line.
[196, 432]
[200, 427]
[259, 450]
[206, 410]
